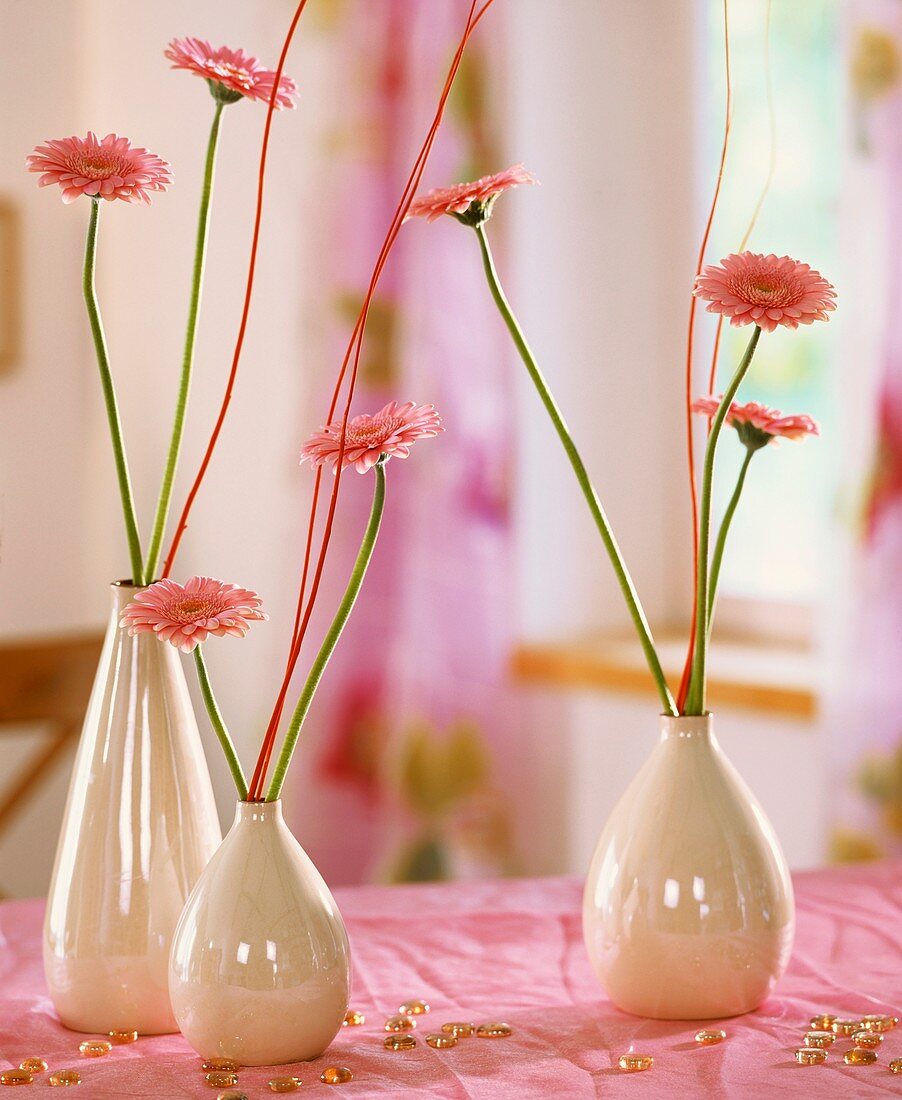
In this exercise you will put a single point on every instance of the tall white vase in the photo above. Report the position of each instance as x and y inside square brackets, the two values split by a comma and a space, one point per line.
[140, 825]
[260, 967]
[688, 909]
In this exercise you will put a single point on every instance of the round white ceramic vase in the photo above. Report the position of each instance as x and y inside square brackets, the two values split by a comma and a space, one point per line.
[688, 908]
[260, 970]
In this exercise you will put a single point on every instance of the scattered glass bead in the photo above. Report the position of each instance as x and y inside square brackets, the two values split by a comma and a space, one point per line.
[413, 1008]
[441, 1040]
[494, 1031]
[459, 1030]
[845, 1027]
[221, 1079]
[336, 1075]
[823, 1022]
[708, 1038]
[878, 1023]
[284, 1084]
[821, 1040]
[63, 1078]
[859, 1057]
[399, 1042]
[400, 1023]
[811, 1056]
[895, 1065]
[353, 1018]
[121, 1037]
[95, 1048]
[232, 1094]
[33, 1065]
[15, 1077]
[635, 1063]
[868, 1039]
[228, 1065]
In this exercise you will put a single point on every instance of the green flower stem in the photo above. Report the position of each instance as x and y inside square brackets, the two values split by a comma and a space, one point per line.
[717, 556]
[331, 640]
[601, 521]
[219, 725]
[178, 426]
[109, 396]
[696, 696]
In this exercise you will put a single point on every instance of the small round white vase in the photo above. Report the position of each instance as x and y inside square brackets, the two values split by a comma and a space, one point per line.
[260, 970]
[688, 908]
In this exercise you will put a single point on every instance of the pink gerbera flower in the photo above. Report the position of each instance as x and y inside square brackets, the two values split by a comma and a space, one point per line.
[470, 203]
[756, 424]
[108, 169]
[231, 74]
[387, 434]
[752, 289]
[185, 615]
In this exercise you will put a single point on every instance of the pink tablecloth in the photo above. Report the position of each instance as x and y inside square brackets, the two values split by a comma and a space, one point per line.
[512, 951]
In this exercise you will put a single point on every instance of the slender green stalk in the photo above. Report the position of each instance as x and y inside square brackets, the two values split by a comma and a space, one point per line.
[717, 556]
[331, 640]
[696, 696]
[219, 725]
[197, 279]
[109, 396]
[601, 521]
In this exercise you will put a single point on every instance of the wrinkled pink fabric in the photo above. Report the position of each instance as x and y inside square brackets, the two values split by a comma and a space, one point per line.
[513, 951]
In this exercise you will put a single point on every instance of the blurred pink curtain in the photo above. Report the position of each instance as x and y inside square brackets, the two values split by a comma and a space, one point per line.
[411, 725]
[867, 715]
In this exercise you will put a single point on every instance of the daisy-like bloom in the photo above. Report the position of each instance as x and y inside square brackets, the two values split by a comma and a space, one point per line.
[756, 424]
[231, 74]
[470, 203]
[185, 615]
[107, 169]
[389, 433]
[752, 289]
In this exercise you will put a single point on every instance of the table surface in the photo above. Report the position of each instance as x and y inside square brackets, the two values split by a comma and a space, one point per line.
[513, 951]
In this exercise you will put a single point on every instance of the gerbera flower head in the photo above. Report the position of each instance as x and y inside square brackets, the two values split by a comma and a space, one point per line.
[109, 169]
[186, 615]
[230, 74]
[470, 203]
[387, 434]
[752, 289]
[756, 424]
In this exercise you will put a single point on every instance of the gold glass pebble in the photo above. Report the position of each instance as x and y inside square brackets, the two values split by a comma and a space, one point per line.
[821, 1040]
[95, 1048]
[822, 1023]
[845, 1027]
[708, 1037]
[284, 1084]
[440, 1040]
[336, 1075]
[221, 1079]
[413, 1008]
[459, 1030]
[64, 1078]
[353, 1018]
[878, 1023]
[811, 1056]
[895, 1065]
[399, 1042]
[122, 1037]
[857, 1056]
[635, 1063]
[869, 1039]
[400, 1023]
[232, 1094]
[33, 1065]
[494, 1031]
[227, 1065]
[16, 1077]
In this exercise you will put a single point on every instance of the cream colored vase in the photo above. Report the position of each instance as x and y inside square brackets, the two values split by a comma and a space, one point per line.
[260, 968]
[688, 909]
[140, 825]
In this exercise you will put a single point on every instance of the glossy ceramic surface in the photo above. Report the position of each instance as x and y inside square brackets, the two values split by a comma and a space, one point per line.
[260, 968]
[688, 909]
[140, 825]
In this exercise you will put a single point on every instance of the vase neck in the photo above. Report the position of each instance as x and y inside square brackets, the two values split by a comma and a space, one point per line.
[121, 594]
[687, 728]
[259, 813]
